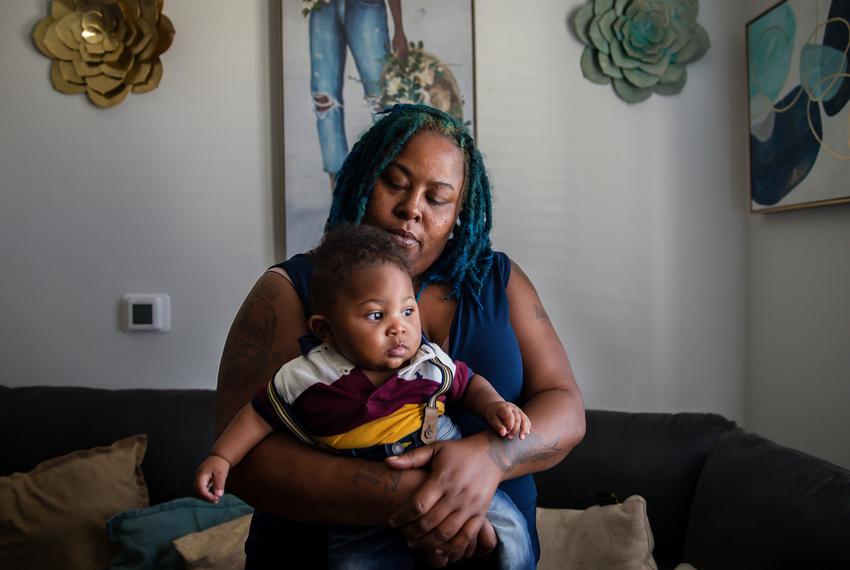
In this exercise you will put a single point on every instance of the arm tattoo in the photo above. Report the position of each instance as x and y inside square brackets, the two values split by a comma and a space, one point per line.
[540, 314]
[506, 453]
[366, 474]
[391, 487]
[373, 474]
[248, 353]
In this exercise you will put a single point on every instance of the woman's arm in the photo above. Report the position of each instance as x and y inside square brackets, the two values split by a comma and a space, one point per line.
[281, 475]
[551, 397]
[465, 474]
[399, 41]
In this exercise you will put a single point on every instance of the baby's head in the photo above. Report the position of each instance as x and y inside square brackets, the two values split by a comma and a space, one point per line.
[362, 298]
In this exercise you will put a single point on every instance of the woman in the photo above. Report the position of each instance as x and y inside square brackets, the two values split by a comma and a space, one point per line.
[417, 175]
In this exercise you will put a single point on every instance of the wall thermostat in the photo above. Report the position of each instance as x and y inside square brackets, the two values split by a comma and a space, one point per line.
[150, 312]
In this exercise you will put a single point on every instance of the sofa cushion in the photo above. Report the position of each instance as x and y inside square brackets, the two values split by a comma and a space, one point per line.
[146, 535]
[55, 515]
[762, 505]
[37, 423]
[657, 456]
[221, 547]
[599, 538]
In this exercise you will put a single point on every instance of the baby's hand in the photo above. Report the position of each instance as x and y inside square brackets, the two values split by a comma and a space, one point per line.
[507, 420]
[210, 478]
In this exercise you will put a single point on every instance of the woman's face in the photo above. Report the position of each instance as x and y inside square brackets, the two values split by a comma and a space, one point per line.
[417, 198]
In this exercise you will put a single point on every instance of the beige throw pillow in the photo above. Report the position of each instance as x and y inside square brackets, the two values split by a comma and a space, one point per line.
[221, 547]
[613, 536]
[55, 515]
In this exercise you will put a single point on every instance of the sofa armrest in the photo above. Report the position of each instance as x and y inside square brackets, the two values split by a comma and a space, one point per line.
[657, 456]
[762, 505]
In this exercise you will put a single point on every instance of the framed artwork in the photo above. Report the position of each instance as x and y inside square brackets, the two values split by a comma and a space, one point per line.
[345, 60]
[799, 89]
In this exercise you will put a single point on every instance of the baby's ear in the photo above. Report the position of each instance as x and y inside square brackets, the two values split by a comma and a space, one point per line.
[320, 327]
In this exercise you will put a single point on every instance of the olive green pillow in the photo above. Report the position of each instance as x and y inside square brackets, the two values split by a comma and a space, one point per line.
[613, 536]
[55, 515]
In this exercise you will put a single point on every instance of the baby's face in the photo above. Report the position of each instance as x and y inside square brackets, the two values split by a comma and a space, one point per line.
[375, 320]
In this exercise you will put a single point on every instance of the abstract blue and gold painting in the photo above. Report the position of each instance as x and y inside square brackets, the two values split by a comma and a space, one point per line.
[799, 87]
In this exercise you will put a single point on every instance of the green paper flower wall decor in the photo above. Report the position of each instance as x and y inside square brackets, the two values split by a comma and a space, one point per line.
[642, 46]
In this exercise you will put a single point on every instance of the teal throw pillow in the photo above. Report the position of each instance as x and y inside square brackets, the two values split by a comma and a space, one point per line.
[145, 535]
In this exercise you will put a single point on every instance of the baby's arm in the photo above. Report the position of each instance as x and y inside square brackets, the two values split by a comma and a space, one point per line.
[243, 433]
[506, 419]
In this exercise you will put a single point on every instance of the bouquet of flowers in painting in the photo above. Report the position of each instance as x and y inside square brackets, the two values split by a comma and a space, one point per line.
[420, 77]
[308, 6]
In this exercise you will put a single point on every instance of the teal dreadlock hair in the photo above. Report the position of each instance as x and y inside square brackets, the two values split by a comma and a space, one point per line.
[467, 258]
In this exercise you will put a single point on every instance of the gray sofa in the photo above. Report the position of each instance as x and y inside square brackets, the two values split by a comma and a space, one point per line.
[717, 496]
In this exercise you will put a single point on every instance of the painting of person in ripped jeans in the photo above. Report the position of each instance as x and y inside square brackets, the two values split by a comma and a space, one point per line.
[336, 27]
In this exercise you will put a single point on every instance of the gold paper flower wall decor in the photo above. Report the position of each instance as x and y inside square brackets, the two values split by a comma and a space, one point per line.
[104, 48]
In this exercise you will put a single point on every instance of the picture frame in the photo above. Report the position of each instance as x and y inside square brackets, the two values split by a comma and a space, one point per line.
[798, 82]
[327, 103]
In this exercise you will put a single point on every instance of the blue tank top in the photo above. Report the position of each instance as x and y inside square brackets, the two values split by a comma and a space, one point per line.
[482, 338]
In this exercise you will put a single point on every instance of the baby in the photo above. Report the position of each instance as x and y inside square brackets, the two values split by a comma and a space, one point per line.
[369, 385]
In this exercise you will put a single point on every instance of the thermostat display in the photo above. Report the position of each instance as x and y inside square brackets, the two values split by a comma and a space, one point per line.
[147, 312]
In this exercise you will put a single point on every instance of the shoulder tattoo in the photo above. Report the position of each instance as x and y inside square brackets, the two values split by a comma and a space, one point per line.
[248, 350]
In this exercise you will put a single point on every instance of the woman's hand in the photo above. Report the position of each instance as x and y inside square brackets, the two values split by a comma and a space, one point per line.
[399, 41]
[446, 516]
[400, 47]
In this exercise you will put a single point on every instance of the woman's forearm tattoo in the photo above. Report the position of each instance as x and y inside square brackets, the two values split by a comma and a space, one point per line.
[247, 352]
[507, 453]
[374, 476]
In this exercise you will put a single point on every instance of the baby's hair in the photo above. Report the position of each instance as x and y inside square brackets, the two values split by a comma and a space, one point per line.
[345, 249]
[467, 258]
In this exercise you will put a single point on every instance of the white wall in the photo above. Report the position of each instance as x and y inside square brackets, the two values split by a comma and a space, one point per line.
[170, 192]
[630, 219]
[798, 311]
